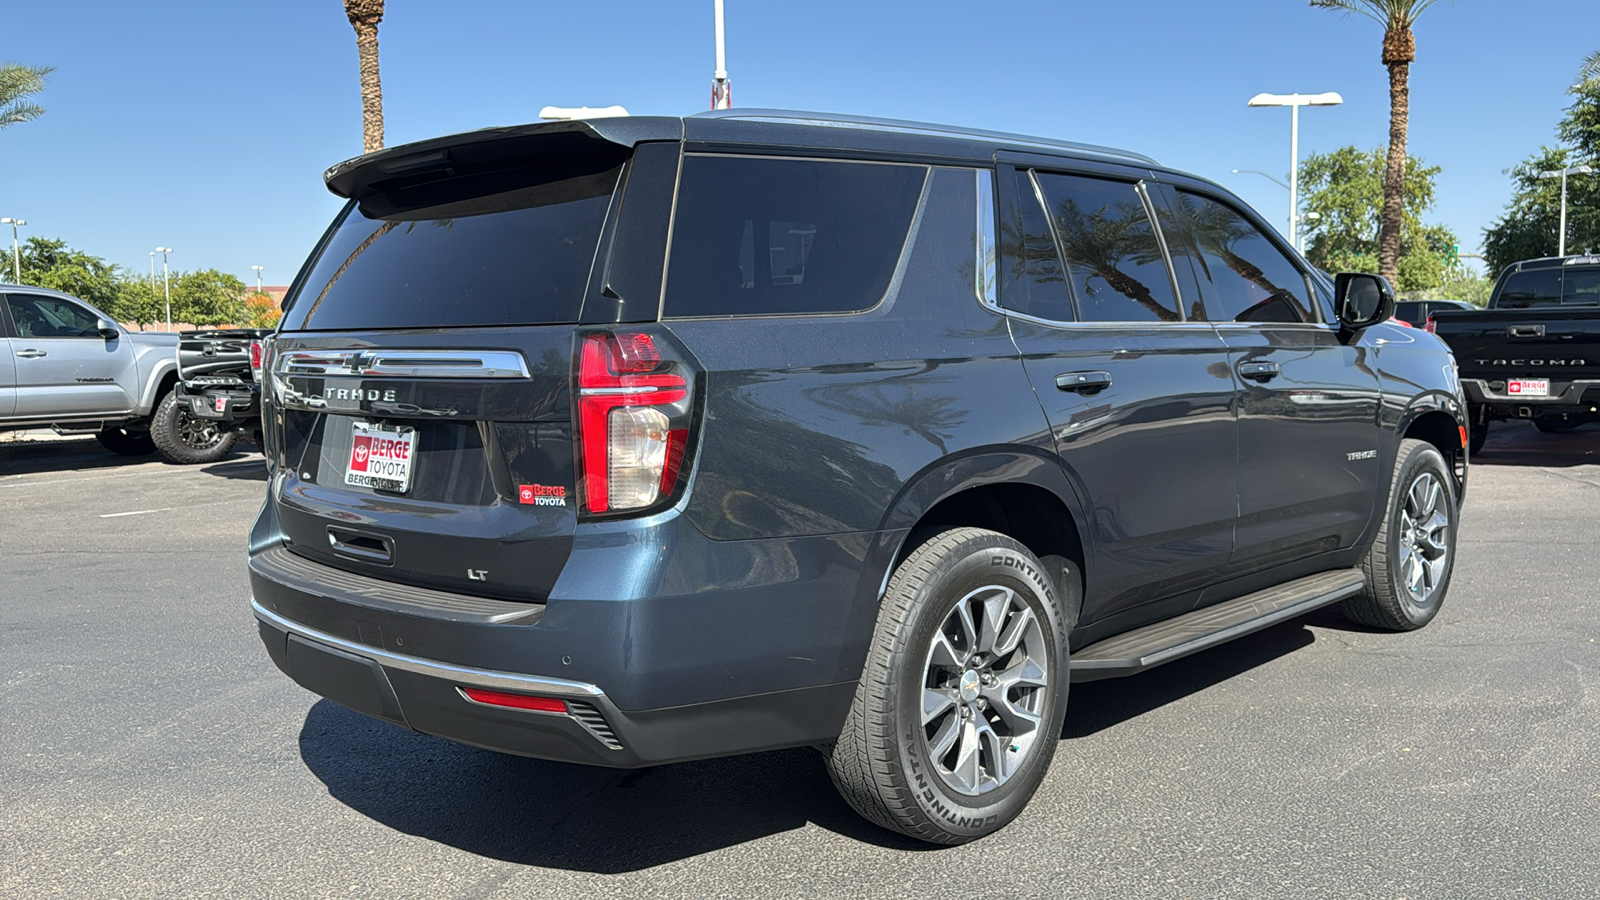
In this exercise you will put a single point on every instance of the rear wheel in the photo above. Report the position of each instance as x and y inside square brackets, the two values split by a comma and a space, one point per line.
[128, 443]
[186, 438]
[1409, 564]
[960, 703]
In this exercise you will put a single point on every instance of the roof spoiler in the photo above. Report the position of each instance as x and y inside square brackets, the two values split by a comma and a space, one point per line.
[490, 148]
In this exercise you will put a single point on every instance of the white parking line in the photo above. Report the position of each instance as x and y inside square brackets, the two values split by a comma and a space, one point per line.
[140, 512]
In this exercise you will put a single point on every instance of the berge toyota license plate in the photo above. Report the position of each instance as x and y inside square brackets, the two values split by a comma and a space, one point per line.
[1529, 387]
[381, 456]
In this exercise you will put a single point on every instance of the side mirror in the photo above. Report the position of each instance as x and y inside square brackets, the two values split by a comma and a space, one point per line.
[107, 328]
[1362, 300]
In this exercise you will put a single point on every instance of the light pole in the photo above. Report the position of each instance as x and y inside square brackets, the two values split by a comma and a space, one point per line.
[166, 281]
[1294, 102]
[16, 252]
[258, 278]
[721, 91]
[1561, 242]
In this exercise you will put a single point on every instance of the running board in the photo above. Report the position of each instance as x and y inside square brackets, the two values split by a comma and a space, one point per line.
[1144, 648]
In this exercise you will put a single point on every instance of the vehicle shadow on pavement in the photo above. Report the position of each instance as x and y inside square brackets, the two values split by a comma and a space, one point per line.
[248, 468]
[1521, 444]
[1098, 705]
[34, 457]
[564, 816]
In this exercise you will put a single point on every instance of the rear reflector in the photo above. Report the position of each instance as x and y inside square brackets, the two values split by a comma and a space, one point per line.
[515, 701]
[1463, 434]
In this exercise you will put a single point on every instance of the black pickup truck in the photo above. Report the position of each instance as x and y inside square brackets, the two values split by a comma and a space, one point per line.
[217, 399]
[1535, 352]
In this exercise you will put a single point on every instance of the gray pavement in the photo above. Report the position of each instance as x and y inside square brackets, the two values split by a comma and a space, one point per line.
[149, 748]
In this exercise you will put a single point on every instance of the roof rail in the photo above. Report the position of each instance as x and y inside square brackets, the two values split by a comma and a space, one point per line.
[834, 120]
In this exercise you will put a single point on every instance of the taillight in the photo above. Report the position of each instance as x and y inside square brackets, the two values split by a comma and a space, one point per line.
[633, 421]
[1429, 327]
[257, 356]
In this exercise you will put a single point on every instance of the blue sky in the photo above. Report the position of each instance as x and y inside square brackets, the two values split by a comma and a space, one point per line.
[205, 126]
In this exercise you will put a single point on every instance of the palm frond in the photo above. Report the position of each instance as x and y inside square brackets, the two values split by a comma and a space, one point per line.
[12, 113]
[1388, 13]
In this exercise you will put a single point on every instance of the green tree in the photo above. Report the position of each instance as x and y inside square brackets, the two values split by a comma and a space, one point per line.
[1528, 227]
[52, 264]
[1399, 51]
[18, 84]
[1345, 190]
[138, 302]
[207, 297]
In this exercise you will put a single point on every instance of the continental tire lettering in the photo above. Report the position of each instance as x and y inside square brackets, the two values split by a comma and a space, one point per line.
[1017, 562]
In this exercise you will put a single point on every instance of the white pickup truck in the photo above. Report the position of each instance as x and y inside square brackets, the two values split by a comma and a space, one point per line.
[68, 366]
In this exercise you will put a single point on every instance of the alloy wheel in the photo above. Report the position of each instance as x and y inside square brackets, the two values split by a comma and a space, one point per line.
[984, 688]
[1424, 539]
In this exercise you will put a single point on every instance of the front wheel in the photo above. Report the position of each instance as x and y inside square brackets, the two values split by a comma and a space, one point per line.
[960, 703]
[1409, 564]
[186, 438]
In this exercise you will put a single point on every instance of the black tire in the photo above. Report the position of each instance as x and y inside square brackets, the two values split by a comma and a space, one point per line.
[1409, 564]
[1477, 433]
[128, 443]
[185, 438]
[883, 762]
[1555, 424]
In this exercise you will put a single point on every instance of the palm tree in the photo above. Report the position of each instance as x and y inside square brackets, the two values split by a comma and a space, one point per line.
[1399, 50]
[17, 84]
[364, 16]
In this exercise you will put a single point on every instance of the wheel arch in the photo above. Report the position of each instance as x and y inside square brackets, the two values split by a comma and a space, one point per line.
[1019, 493]
[1441, 421]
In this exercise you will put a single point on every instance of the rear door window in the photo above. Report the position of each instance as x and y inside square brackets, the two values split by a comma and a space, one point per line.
[1243, 275]
[762, 236]
[1536, 287]
[1581, 287]
[519, 256]
[1033, 281]
[1114, 260]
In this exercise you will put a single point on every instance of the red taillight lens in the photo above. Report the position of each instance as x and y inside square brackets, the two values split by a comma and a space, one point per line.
[632, 422]
[257, 355]
[1429, 327]
[515, 701]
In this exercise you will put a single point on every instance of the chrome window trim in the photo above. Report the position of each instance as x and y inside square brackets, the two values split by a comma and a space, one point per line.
[368, 362]
[984, 265]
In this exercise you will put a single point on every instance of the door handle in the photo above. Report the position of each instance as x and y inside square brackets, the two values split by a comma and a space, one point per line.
[1084, 382]
[31, 354]
[1258, 371]
[1526, 331]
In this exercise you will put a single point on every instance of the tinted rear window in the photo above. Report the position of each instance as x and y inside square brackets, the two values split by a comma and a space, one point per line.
[515, 257]
[766, 236]
[1550, 287]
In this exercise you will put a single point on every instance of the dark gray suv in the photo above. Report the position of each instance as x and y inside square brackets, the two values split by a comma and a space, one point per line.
[639, 440]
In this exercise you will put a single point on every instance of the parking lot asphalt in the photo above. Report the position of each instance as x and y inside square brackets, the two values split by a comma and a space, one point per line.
[150, 748]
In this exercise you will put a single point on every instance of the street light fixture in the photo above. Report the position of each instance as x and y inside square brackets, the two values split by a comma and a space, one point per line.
[1262, 174]
[1561, 242]
[16, 252]
[1294, 102]
[166, 282]
[258, 278]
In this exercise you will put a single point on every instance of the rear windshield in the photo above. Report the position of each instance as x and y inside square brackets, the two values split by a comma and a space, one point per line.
[1550, 287]
[516, 257]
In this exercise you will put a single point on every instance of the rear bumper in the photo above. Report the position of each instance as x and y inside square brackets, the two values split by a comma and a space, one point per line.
[1565, 396]
[426, 696]
[221, 404]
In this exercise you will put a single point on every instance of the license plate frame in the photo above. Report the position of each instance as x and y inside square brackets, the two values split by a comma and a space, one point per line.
[388, 449]
[1528, 387]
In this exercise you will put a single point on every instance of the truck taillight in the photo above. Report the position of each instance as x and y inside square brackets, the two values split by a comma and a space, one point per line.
[257, 354]
[633, 421]
[1429, 327]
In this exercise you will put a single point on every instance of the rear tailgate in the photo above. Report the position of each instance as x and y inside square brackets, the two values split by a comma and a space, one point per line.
[421, 378]
[223, 353]
[1561, 345]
